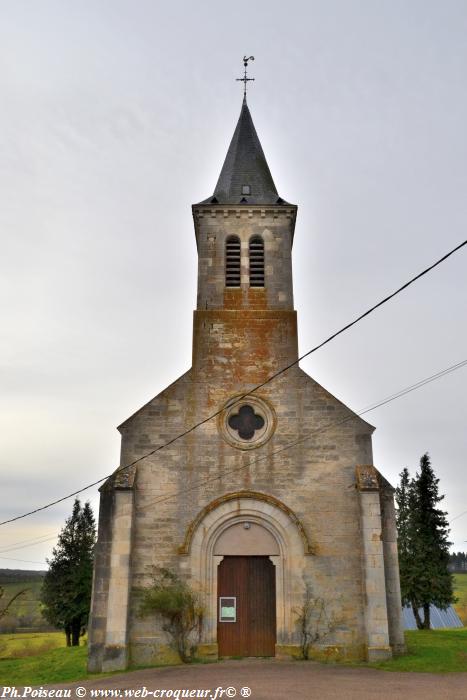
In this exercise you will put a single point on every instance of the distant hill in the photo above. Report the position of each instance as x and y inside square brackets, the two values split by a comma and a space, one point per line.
[20, 575]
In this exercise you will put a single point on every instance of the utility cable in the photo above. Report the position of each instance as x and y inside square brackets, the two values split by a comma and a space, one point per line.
[370, 407]
[33, 539]
[243, 396]
[13, 548]
[313, 433]
[464, 512]
[412, 387]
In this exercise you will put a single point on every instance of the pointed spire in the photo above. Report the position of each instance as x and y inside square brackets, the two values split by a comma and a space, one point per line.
[245, 176]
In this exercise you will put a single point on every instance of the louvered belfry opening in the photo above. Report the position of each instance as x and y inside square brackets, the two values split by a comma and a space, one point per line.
[232, 262]
[256, 262]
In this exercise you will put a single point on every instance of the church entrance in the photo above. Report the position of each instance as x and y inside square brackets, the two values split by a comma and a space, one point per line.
[246, 606]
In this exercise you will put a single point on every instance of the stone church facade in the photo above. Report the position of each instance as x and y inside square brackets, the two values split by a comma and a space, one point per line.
[277, 492]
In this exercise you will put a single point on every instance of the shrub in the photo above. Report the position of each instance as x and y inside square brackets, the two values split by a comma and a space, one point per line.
[181, 609]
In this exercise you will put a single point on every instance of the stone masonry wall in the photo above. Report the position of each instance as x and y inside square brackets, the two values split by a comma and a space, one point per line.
[242, 336]
[315, 479]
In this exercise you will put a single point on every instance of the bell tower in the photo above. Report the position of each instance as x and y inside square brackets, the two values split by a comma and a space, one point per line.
[244, 235]
[251, 497]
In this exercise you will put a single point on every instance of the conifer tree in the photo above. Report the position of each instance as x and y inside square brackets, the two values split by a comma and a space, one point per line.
[423, 544]
[404, 540]
[66, 591]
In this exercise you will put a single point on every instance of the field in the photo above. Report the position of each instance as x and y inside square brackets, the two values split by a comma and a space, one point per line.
[37, 658]
[21, 645]
[25, 611]
[460, 587]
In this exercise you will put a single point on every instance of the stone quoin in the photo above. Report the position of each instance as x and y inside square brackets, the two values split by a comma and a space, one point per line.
[275, 493]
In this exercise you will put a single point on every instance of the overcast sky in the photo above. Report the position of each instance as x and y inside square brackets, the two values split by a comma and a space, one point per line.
[116, 116]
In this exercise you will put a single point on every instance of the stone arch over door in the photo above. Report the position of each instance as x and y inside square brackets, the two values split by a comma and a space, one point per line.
[282, 534]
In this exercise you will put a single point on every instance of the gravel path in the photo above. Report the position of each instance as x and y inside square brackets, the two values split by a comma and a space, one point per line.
[277, 680]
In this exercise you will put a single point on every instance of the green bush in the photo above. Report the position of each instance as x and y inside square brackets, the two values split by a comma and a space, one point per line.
[181, 609]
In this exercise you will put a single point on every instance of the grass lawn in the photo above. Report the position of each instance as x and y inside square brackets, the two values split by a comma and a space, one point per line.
[433, 651]
[56, 666]
[13, 646]
[460, 589]
[39, 658]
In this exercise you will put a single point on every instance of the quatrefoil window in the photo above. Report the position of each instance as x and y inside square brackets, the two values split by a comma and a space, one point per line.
[246, 422]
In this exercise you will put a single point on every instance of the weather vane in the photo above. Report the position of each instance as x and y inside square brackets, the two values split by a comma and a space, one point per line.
[244, 80]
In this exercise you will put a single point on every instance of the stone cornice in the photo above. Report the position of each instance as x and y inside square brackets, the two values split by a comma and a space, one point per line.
[246, 211]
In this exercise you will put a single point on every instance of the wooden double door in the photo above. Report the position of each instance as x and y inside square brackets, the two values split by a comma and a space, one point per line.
[246, 610]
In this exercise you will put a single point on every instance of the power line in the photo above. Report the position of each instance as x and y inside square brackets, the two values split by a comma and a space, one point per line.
[29, 539]
[243, 396]
[464, 512]
[417, 385]
[13, 548]
[368, 409]
[313, 433]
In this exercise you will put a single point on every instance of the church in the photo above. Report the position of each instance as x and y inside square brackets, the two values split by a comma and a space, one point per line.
[275, 495]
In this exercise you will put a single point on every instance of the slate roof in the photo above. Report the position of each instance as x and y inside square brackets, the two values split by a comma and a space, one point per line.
[245, 164]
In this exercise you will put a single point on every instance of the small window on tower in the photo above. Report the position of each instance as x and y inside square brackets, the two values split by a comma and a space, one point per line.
[256, 262]
[246, 189]
[232, 262]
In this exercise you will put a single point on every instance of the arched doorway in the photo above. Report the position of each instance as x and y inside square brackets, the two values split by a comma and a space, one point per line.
[247, 524]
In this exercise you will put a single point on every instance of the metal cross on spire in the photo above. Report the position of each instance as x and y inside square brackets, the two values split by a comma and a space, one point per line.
[245, 79]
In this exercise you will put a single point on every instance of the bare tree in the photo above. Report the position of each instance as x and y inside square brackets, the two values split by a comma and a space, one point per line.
[4, 607]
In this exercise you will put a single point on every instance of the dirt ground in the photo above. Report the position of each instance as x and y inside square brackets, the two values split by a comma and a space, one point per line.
[275, 680]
